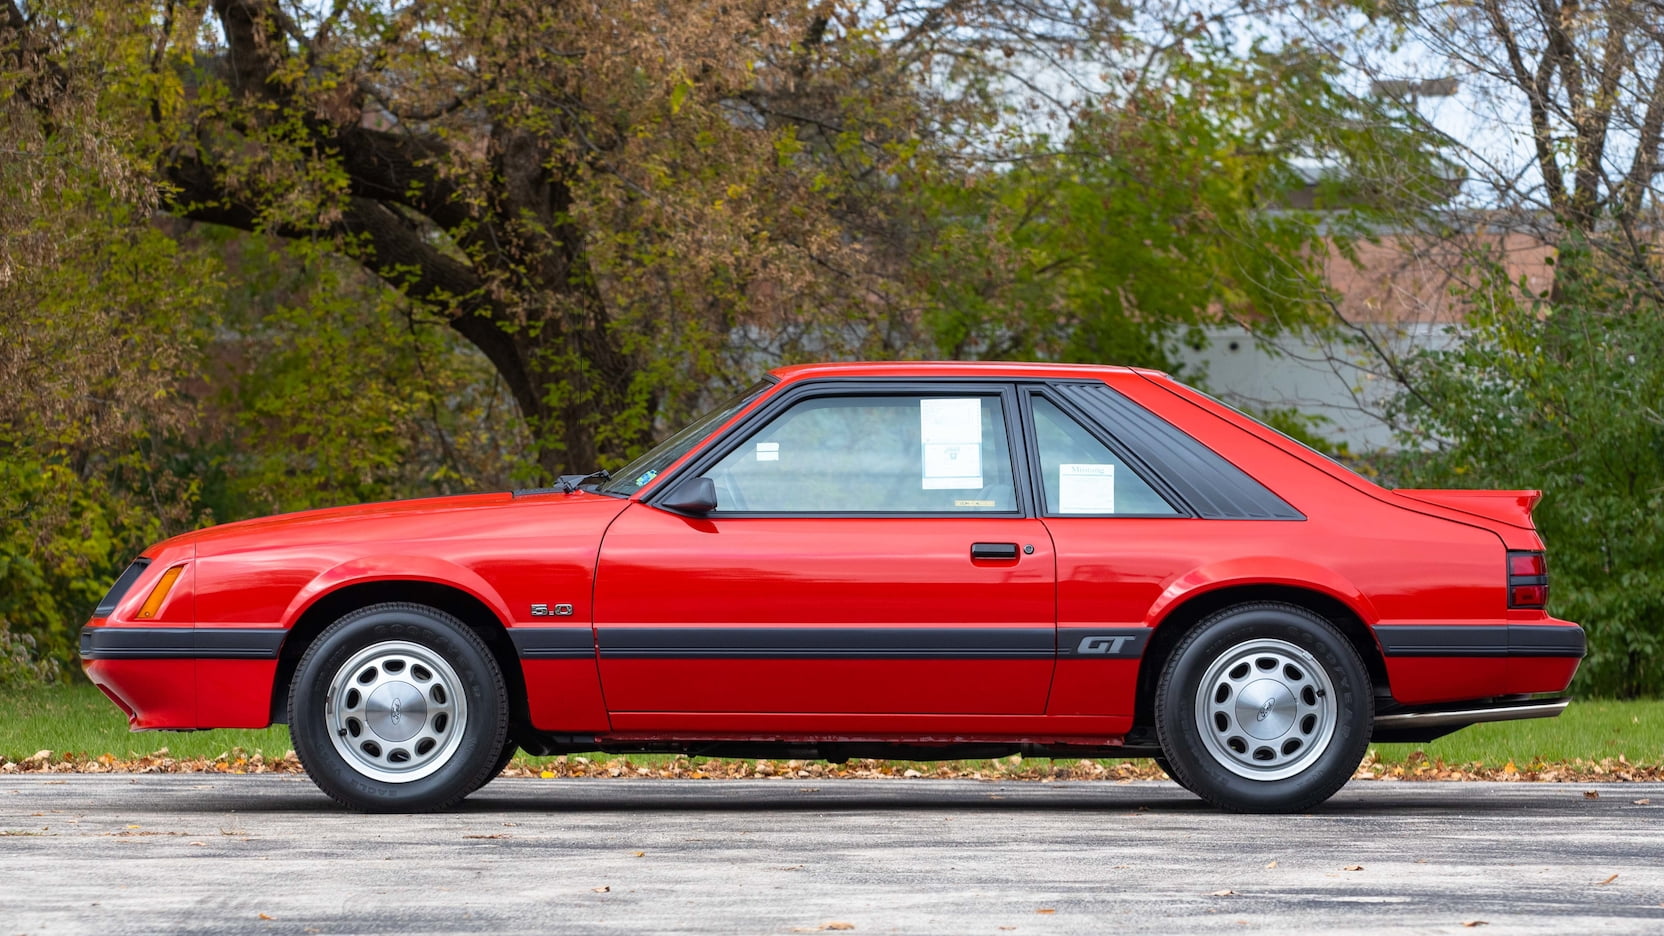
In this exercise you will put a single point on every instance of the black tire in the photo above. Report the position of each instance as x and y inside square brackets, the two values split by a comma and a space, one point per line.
[1167, 768]
[398, 708]
[1287, 718]
[509, 750]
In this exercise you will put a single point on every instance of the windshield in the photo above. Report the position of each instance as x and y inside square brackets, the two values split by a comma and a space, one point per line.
[631, 477]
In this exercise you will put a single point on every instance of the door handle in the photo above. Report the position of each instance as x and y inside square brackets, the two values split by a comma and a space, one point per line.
[993, 550]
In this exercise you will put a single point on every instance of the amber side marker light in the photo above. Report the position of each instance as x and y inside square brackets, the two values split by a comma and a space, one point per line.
[159, 594]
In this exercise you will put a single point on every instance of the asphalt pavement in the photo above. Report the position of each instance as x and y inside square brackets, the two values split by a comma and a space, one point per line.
[269, 854]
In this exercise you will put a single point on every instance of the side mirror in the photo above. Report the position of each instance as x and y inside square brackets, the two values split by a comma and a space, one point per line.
[692, 496]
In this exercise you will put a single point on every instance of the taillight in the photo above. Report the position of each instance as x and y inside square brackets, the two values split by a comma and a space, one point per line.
[1527, 580]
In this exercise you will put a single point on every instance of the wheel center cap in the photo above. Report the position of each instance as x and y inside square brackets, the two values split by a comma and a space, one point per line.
[396, 711]
[1265, 709]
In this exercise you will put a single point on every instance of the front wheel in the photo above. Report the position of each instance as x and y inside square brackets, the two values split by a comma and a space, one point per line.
[398, 708]
[1264, 708]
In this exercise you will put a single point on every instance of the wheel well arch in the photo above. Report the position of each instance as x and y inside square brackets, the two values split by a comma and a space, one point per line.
[1193, 610]
[331, 607]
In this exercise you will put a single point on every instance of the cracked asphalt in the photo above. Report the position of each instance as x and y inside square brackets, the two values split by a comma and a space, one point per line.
[269, 854]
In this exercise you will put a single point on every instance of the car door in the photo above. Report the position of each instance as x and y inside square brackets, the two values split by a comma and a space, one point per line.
[872, 553]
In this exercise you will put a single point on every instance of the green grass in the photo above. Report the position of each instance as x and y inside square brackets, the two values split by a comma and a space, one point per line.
[78, 719]
[1591, 730]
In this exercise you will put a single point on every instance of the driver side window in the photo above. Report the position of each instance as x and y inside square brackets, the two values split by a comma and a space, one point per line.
[873, 454]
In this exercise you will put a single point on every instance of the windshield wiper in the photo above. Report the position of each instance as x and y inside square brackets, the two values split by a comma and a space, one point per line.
[571, 482]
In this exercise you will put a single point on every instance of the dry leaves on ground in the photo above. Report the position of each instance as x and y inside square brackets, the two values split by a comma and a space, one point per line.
[1416, 767]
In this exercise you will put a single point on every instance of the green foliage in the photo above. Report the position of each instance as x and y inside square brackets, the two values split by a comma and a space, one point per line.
[21, 661]
[1566, 396]
[326, 387]
[95, 344]
[411, 250]
[1170, 206]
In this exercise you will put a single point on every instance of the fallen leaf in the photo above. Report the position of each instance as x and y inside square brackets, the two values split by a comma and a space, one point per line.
[547, 775]
[1223, 893]
[199, 843]
[494, 835]
[602, 889]
[134, 827]
[1591, 794]
[837, 925]
[1353, 868]
[1046, 910]
[640, 854]
[1472, 923]
[264, 917]
[1643, 801]
[1607, 881]
[1271, 864]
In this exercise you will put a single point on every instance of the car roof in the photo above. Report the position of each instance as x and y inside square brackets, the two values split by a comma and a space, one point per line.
[1006, 369]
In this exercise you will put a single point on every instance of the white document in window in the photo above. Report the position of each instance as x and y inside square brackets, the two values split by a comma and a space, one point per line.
[952, 467]
[951, 432]
[1086, 489]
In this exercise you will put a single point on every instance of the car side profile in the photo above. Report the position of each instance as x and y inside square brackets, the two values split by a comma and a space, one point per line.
[919, 560]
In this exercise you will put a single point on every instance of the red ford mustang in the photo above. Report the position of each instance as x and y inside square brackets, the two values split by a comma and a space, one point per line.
[857, 560]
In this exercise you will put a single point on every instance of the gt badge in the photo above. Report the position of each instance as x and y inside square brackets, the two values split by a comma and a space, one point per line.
[1109, 646]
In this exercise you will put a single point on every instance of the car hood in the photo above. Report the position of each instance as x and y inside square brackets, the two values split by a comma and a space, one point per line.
[427, 518]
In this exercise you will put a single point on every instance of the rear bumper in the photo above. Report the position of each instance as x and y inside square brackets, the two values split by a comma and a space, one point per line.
[1557, 639]
[1451, 663]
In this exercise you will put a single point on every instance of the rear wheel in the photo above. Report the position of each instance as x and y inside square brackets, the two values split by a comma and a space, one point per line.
[398, 708]
[1264, 708]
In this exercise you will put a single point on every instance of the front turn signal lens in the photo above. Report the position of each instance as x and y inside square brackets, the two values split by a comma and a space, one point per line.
[159, 594]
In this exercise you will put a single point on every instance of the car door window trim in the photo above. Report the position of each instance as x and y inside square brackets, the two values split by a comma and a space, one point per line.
[737, 433]
[1031, 439]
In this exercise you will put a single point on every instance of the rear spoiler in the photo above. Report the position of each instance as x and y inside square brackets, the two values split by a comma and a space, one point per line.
[1510, 507]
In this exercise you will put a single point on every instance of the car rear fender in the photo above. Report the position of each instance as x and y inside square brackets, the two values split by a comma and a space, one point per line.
[1260, 570]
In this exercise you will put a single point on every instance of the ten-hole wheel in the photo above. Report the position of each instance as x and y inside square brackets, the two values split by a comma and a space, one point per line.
[1264, 708]
[398, 708]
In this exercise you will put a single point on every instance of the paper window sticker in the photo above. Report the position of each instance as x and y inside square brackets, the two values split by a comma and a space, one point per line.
[1086, 489]
[950, 431]
[950, 421]
[952, 466]
[768, 451]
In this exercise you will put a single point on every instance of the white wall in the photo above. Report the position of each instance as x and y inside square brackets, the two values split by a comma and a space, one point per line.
[1347, 386]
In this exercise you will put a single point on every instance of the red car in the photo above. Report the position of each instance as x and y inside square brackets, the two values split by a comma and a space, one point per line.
[865, 560]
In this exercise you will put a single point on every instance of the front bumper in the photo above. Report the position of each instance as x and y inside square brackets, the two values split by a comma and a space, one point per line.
[182, 678]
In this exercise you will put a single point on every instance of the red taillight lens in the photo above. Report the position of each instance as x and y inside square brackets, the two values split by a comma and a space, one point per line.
[1527, 580]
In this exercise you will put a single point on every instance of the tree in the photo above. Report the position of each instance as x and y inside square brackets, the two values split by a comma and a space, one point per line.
[1554, 388]
[618, 203]
[349, 229]
[1173, 203]
[586, 191]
